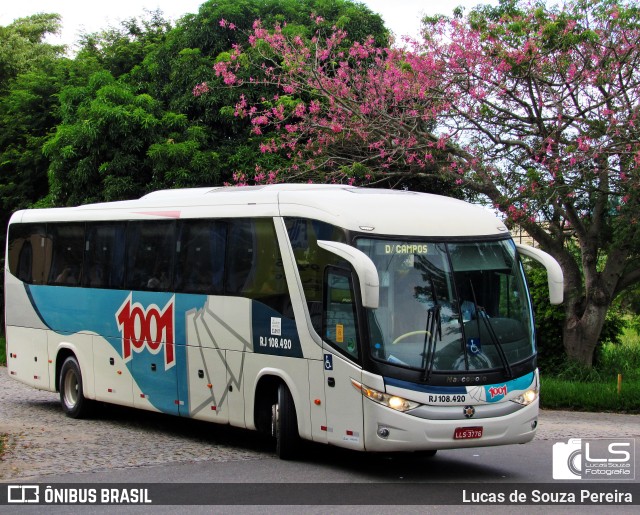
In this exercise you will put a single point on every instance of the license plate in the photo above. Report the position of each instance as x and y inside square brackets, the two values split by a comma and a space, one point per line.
[467, 433]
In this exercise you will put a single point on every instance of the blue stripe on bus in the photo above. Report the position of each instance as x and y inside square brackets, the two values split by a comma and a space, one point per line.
[521, 383]
[389, 381]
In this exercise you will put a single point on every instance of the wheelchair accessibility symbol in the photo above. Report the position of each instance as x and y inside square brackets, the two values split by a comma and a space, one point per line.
[328, 362]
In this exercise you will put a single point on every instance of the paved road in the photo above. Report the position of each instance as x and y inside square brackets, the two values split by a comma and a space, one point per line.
[119, 443]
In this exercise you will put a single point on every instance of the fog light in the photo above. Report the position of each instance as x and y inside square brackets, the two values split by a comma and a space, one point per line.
[383, 432]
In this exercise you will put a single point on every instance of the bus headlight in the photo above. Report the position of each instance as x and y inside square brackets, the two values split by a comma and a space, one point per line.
[390, 401]
[527, 397]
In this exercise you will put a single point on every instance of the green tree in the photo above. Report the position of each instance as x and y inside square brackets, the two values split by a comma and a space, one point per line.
[114, 143]
[532, 108]
[120, 49]
[22, 46]
[137, 125]
[187, 56]
[32, 73]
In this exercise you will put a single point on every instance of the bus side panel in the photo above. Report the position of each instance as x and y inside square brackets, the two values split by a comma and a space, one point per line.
[293, 372]
[318, 413]
[19, 308]
[225, 323]
[235, 388]
[27, 356]
[219, 333]
[112, 379]
[207, 380]
[159, 390]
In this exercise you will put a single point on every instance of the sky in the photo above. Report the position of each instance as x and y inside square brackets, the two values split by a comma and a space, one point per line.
[402, 17]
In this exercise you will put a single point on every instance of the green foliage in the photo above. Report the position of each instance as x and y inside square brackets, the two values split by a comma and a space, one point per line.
[22, 46]
[571, 385]
[119, 50]
[592, 396]
[623, 357]
[549, 321]
[548, 318]
[114, 143]
[32, 73]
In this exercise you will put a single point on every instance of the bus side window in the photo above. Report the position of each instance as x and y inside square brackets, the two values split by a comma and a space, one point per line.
[311, 260]
[240, 257]
[200, 254]
[68, 253]
[339, 323]
[254, 267]
[150, 247]
[25, 252]
[104, 255]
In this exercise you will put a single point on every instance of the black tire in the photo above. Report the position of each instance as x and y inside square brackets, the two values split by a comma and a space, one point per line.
[74, 403]
[284, 424]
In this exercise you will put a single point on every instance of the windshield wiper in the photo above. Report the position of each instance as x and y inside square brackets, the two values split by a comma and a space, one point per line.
[433, 329]
[481, 313]
[496, 342]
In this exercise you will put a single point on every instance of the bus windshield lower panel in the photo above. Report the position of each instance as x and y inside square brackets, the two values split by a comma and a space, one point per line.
[449, 307]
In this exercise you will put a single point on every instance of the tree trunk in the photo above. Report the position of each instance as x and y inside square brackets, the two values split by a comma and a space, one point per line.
[581, 332]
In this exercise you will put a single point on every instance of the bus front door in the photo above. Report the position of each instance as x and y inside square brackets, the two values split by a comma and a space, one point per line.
[343, 402]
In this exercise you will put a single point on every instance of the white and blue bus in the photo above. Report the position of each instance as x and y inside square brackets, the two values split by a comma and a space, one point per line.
[369, 319]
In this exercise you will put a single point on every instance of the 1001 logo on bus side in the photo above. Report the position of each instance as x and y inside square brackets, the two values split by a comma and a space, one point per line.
[149, 328]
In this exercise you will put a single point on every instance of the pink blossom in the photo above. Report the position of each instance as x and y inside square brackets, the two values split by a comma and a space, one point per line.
[200, 89]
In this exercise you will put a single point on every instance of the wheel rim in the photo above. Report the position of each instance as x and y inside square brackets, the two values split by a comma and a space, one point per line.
[70, 388]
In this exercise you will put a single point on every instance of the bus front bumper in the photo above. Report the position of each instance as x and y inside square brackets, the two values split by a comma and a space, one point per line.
[387, 430]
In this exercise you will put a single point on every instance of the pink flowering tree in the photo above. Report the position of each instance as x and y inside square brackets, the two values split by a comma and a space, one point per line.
[533, 108]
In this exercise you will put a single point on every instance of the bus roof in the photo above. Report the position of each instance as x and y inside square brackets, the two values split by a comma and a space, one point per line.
[376, 211]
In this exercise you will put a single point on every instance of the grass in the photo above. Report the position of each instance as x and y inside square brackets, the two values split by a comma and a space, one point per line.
[592, 396]
[571, 386]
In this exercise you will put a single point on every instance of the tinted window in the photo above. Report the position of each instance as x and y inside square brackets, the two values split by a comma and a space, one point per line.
[200, 257]
[29, 252]
[104, 255]
[254, 267]
[68, 251]
[312, 260]
[150, 249]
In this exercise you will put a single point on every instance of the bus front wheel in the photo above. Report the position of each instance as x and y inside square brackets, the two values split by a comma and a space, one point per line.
[284, 425]
[74, 403]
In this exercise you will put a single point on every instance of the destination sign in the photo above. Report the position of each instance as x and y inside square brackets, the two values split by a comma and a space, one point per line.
[406, 248]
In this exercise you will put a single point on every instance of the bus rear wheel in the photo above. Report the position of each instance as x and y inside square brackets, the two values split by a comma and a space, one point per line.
[284, 425]
[74, 403]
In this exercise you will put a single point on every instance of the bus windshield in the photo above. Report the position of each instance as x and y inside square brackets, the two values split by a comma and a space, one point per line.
[447, 307]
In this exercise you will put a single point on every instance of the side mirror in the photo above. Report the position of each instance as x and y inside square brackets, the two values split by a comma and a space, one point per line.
[555, 276]
[364, 267]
